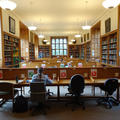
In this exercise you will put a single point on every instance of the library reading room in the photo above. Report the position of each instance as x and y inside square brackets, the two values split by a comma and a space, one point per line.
[60, 59]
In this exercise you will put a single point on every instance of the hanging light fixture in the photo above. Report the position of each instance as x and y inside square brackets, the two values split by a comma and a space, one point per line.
[86, 26]
[32, 27]
[7, 4]
[41, 36]
[110, 3]
[78, 35]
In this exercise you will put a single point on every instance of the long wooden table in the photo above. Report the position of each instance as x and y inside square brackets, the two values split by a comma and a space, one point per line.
[65, 82]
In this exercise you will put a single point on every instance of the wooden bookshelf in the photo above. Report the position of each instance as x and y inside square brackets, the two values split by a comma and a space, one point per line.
[74, 51]
[11, 51]
[95, 41]
[44, 51]
[31, 51]
[109, 48]
[82, 52]
[88, 51]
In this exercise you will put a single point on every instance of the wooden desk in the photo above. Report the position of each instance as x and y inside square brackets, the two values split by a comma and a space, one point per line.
[88, 82]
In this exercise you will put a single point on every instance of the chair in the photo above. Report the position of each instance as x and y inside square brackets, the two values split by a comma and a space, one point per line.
[76, 88]
[109, 87]
[6, 92]
[38, 95]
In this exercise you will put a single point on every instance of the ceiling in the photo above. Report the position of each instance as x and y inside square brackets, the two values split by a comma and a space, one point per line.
[59, 16]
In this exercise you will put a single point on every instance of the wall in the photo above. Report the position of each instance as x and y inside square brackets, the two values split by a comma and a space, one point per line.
[113, 14]
[5, 19]
[70, 37]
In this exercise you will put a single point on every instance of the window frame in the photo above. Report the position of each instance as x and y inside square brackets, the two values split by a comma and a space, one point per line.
[59, 37]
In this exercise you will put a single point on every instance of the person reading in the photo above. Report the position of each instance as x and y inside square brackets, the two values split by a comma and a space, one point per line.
[41, 77]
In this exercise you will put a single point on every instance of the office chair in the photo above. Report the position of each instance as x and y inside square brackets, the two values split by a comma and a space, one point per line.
[38, 95]
[109, 87]
[7, 92]
[76, 88]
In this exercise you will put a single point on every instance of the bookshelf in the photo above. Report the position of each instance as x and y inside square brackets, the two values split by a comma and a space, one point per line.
[88, 51]
[44, 51]
[31, 51]
[82, 52]
[11, 51]
[109, 49]
[74, 51]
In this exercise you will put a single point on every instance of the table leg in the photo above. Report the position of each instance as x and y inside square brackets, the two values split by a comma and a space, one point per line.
[58, 92]
[118, 94]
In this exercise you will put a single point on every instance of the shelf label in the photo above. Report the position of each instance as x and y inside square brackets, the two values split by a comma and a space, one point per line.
[1, 74]
[63, 74]
[94, 72]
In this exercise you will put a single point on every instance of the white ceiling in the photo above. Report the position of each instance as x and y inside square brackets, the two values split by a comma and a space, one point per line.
[59, 16]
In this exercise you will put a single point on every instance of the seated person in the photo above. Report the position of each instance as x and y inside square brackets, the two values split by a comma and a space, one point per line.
[40, 76]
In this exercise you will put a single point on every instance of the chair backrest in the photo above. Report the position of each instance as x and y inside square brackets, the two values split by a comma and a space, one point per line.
[77, 84]
[6, 90]
[38, 92]
[111, 85]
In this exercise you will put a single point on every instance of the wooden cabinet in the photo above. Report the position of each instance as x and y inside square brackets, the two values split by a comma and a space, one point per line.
[109, 48]
[74, 51]
[31, 51]
[44, 51]
[11, 51]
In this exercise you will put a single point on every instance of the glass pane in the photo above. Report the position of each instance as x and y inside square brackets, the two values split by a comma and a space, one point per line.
[61, 52]
[57, 52]
[65, 46]
[53, 40]
[61, 46]
[57, 40]
[65, 52]
[57, 46]
[61, 40]
[65, 40]
[53, 46]
[53, 52]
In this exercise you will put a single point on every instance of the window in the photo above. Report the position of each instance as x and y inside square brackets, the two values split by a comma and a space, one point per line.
[59, 46]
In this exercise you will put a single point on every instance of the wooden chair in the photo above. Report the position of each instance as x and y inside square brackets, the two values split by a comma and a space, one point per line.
[6, 92]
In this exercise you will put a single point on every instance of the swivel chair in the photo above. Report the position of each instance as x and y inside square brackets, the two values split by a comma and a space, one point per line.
[76, 88]
[109, 87]
[38, 95]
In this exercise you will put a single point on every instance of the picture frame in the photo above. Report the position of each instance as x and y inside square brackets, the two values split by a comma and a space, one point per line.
[108, 25]
[11, 25]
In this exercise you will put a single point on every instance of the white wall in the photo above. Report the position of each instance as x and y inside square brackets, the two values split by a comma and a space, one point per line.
[113, 14]
[5, 19]
[70, 37]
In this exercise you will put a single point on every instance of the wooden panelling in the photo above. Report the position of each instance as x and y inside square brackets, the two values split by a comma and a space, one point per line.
[107, 72]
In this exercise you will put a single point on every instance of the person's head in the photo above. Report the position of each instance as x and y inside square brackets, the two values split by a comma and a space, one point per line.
[40, 70]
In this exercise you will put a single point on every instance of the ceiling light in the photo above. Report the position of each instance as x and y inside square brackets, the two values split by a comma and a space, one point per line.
[45, 40]
[110, 3]
[7, 4]
[86, 27]
[41, 36]
[32, 27]
[77, 36]
[73, 40]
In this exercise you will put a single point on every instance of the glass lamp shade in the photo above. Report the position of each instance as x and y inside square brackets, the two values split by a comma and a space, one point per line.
[32, 27]
[7, 4]
[110, 3]
[86, 27]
